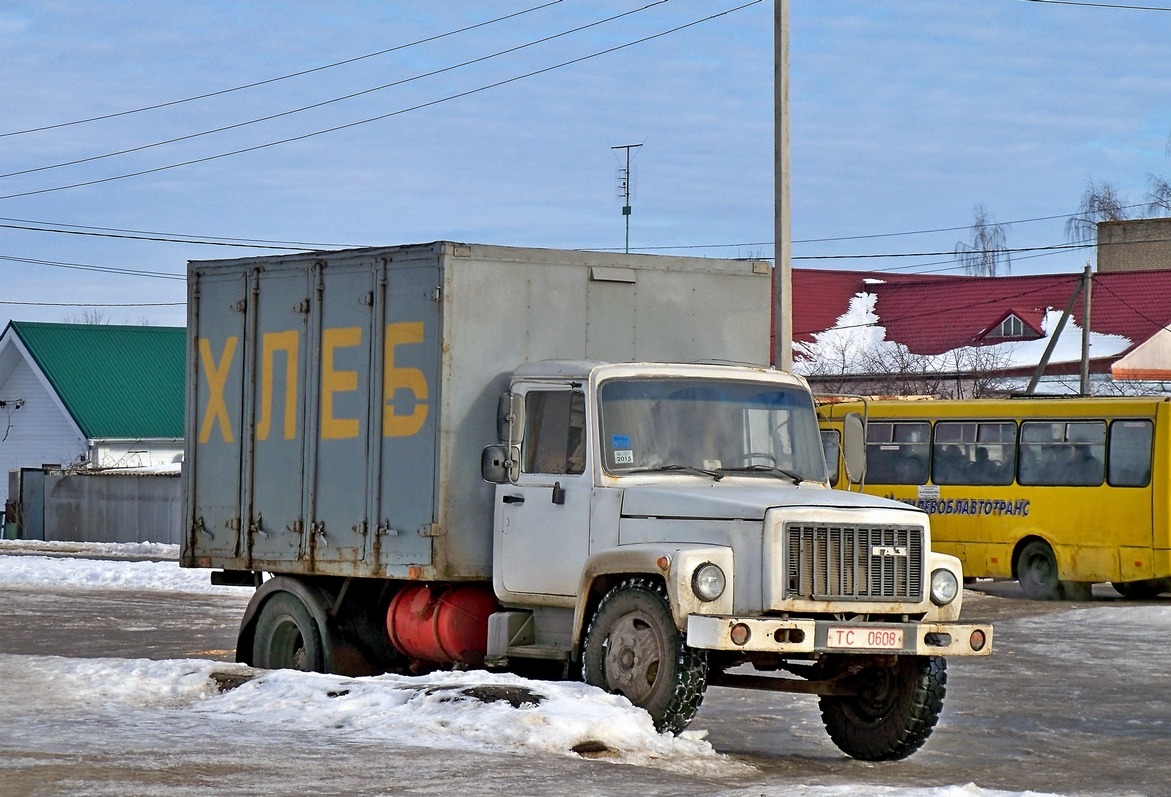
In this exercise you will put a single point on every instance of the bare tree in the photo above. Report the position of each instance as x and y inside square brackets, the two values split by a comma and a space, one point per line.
[1100, 202]
[91, 315]
[891, 369]
[1158, 195]
[987, 251]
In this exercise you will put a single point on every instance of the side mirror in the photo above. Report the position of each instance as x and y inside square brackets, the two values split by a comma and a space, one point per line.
[854, 447]
[497, 467]
[510, 418]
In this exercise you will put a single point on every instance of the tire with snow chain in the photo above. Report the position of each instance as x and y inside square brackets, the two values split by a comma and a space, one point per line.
[633, 648]
[894, 711]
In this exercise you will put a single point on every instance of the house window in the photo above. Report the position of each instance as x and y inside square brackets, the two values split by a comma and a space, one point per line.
[1010, 327]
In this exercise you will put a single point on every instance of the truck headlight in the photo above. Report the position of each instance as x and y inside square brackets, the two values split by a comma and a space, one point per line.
[944, 587]
[708, 582]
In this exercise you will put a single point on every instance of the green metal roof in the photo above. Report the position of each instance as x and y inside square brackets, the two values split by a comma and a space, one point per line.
[116, 381]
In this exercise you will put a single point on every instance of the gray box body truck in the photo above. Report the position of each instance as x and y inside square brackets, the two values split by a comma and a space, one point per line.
[562, 463]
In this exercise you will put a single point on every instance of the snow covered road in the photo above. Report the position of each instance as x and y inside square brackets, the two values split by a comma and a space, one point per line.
[1071, 703]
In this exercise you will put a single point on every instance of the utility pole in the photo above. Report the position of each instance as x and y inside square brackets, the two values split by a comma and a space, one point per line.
[1087, 284]
[624, 188]
[782, 297]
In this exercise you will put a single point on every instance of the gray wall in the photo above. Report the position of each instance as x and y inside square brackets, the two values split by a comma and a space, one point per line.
[88, 507]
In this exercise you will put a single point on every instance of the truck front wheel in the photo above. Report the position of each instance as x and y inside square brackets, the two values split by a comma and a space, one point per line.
[896, 706]
[633, 648]
[287, 637]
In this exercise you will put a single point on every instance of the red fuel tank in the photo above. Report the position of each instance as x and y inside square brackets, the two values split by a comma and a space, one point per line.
[441, 623]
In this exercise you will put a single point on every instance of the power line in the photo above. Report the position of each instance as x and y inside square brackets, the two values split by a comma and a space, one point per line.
[380, 117]
[879, 255]
[1099, 285]
[1100, 5]
[94, 304]
[280, 78]
[323, 103]
[89, 267]
[177, 238]
[949, 265]
[949, 229]
[183, 238]
[1010, 250]
[832, 239]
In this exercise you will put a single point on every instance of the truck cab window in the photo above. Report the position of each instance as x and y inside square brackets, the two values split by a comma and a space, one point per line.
[554, 440]
[831, 444]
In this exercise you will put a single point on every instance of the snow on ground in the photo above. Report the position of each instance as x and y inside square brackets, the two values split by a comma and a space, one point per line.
[122, 565]
[472, 711]
[469, 711]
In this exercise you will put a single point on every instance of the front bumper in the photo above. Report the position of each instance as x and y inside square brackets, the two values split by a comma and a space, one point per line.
[787, 637]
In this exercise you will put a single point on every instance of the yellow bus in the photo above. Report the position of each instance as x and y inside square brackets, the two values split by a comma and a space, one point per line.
[1058, 493]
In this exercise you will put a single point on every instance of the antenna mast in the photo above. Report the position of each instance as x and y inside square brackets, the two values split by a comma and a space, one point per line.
[624, 188]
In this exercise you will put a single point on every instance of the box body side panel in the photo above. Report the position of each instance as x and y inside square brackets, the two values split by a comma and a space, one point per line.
[338, 402]
[312, 428]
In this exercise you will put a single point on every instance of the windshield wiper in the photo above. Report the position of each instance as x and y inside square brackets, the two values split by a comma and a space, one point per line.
[714, 474]
[772, 470]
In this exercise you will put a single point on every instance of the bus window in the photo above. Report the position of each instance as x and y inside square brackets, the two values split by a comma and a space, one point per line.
[1130, 453]
[974, 453]
[1062, 452]
[896, 453]
[831, 444]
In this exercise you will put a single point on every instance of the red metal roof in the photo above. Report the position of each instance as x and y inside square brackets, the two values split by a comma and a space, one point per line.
[931, 314]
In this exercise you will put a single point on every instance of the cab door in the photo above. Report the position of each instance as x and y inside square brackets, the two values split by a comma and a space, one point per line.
[544, 518]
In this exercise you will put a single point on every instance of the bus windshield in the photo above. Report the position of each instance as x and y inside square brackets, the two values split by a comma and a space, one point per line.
[719, 427]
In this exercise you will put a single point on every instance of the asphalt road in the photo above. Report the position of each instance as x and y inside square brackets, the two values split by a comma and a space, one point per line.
[1073, 701]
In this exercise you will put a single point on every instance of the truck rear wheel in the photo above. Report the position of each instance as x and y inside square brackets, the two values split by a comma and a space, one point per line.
[633, 648]
[286, 637]
[897, 705]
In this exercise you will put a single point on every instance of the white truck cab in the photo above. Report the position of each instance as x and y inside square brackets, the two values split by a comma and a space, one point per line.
[696, 498]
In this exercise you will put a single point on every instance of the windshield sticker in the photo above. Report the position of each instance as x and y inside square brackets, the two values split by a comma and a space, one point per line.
[623, 453]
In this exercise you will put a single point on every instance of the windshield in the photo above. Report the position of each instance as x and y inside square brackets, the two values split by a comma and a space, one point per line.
[716, 426]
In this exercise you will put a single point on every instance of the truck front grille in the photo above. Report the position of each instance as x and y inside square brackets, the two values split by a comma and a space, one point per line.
[838, 562]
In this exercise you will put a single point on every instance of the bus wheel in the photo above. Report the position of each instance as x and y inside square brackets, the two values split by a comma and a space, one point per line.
[896, 707]
[1036, 568]
[287, 638]
[1142, 590]
[633, 648]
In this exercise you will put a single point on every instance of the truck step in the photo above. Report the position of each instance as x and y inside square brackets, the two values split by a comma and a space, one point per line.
[547, 652]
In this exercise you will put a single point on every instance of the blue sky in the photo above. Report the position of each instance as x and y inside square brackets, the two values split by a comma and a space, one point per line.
[905, 115]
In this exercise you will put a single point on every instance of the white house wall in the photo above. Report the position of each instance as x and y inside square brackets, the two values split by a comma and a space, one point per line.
[39, 432]
[1149, 361]
[136, 453]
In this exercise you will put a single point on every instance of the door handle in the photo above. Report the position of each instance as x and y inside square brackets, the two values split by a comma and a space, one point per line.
[514, 499]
